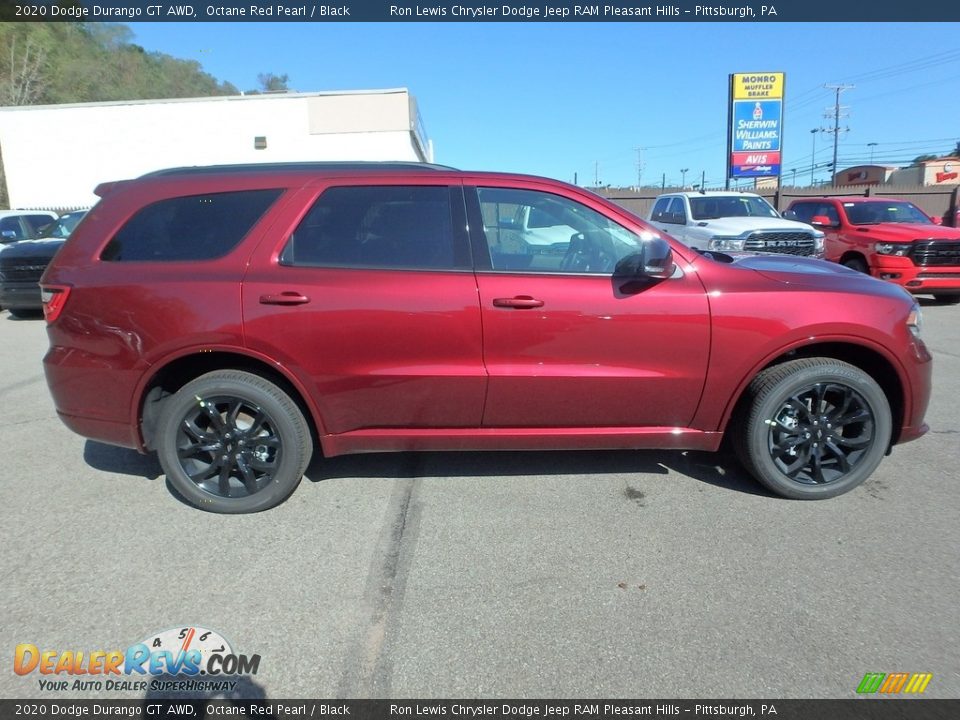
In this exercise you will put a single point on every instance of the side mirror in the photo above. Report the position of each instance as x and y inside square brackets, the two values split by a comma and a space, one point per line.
[937, 220]
[821, 220]
[8, 235]
[654, 261]
[789, 215]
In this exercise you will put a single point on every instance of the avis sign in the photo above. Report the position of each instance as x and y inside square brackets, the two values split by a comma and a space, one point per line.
[755, 127]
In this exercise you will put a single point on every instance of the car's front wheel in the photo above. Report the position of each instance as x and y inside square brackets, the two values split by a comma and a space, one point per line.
[813, 428]
[947, 299]
[858, 264]
[233, 442]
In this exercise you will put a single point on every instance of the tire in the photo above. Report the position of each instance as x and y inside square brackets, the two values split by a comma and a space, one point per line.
[858, 264]
[25, 313]
[776, 425]
[947, 299]
[261, 432]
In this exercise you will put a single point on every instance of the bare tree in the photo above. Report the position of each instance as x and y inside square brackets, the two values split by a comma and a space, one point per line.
[273, 83]
[25, 82]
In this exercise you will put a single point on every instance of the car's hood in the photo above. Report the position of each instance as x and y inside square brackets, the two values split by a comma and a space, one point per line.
[737, 225]
[31, 248]
[810, 272]
[907, 232]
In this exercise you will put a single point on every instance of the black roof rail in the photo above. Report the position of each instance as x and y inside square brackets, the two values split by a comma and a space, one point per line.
[300, 167]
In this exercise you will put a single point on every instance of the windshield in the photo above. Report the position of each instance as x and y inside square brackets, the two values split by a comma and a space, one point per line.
[712, 207]
[871, 213]
[63, 226]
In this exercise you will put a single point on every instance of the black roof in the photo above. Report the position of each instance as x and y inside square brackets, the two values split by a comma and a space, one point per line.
[300, 167]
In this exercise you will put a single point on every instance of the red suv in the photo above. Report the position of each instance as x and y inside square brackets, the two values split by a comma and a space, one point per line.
[890, 239]
[238, 319]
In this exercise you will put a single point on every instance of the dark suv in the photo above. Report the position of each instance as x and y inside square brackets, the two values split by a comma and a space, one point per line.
[236, 319]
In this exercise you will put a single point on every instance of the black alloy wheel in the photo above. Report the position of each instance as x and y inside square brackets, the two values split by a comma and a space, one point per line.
[229, 446]
[812, 428]
[233, 442]
[821, 433]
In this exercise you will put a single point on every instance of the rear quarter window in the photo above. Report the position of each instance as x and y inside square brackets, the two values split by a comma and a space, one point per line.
[193, 227]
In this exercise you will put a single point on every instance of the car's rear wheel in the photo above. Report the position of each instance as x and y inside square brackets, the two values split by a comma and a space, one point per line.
[857, 264]
[947, 299]
[233, 442]
[813, 428]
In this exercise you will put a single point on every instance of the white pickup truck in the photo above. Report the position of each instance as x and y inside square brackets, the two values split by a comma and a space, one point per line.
[732, 221]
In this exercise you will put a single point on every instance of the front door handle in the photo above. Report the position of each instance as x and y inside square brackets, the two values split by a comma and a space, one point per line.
[288, 297]
[520, 302]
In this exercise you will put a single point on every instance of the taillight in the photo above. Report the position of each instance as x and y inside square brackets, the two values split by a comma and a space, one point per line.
[54, 297]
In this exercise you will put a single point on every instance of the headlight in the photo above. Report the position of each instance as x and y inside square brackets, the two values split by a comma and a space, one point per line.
[915, 321]
[818, 248]
[889, 248]
[726, 243]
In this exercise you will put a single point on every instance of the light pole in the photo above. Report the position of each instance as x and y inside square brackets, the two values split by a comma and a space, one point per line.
[871, 146]
[793, 180]
[683, 177]
[813, 153]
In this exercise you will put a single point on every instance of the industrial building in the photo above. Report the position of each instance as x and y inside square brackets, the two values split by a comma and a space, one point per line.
[55, 155]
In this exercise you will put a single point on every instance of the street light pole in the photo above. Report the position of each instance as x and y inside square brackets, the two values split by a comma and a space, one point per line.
[871, 146]
[813, 154]
[683, 177]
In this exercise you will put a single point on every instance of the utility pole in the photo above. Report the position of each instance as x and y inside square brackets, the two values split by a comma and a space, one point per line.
[836, 114]
[813, 154]
[596, 173]
[639, 166]
[703, 180]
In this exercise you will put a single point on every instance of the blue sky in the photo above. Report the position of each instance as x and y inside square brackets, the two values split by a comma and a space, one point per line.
[557, 99]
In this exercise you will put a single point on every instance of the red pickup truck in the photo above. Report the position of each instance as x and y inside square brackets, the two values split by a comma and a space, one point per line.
[890, 239]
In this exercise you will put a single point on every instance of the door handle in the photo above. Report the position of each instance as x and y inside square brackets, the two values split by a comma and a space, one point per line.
[288, 297]
[520, 302]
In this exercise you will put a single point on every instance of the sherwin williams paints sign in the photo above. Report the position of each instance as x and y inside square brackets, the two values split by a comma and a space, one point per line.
[755, 124]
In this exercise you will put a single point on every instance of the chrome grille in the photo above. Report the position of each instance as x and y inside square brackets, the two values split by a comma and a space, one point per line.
[928, 253]
[787, 242]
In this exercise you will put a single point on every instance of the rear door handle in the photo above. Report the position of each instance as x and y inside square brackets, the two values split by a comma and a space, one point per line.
[520, 302]
[288, 297]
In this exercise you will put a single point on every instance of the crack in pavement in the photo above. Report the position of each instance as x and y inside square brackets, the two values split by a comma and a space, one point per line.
[367, 671]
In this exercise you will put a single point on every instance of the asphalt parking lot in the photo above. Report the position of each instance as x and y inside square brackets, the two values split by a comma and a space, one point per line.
[607, 574]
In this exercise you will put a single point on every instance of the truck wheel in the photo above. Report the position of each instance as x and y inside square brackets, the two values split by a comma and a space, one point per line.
[233, 442]
[947, 299]
[857, 264]
[813, 428]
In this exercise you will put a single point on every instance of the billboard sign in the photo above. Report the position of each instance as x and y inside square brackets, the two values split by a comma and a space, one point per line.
[756, 124]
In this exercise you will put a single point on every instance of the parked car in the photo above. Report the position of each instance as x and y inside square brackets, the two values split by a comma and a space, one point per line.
[238, 319]
[890, 239]
[732, 222]
[23, 224]
[23, 262]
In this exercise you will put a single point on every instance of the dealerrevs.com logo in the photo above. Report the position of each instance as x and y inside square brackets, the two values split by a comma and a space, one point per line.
[179, 659]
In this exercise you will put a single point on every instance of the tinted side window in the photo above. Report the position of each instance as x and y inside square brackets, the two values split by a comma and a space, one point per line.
[195, 227]
[378, 227]
[804, 211]
[568, 238]
[659, 209]
[676, 213]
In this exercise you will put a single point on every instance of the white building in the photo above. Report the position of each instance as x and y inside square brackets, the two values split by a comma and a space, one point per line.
[55, 155]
